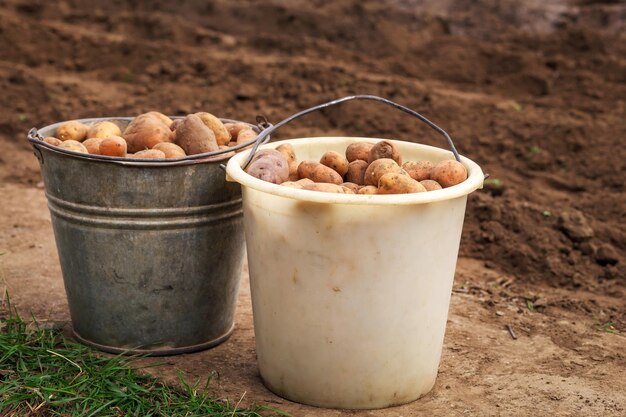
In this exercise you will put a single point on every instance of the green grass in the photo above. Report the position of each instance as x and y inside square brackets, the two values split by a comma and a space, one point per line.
[43, 374]
[606, 327]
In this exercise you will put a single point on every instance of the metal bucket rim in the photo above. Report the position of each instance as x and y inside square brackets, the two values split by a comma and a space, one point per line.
[208, 157]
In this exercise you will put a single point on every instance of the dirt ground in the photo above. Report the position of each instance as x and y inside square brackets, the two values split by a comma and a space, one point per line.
[534, 91]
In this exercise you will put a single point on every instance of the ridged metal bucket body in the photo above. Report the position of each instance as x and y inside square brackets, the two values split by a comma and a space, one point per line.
[151, 254]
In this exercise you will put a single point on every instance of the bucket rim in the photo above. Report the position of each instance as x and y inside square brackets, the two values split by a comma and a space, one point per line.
[474, 181]
[208, 157]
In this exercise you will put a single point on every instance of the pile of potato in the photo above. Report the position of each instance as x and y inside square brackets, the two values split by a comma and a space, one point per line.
[153, 135]
[367, 168]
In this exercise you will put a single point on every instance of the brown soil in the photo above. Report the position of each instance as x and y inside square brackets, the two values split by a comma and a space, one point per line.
[533, 91]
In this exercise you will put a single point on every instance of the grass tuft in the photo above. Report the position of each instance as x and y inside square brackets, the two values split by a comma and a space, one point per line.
[43, 374]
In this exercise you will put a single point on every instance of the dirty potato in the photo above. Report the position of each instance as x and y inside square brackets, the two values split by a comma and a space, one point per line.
[269, 166]
[335, 161]
[305, 168]
[175, 124]
[356, 172]
[352, 186]
[103, 130]
[73, 130]
[73, 145]
[93, 145]
[298, 184]
[431, 185]
[171, 150]
[317, 172]
[292, 184]
[358, 151]
[113, 146]
[419, 171]
[245, 135]
[380, 167]
[266, 152]
[145, 131]
[448, 173]
[52, 141]
[384, 149]
[195, 137]
[290, 155]
[326, 188]
[394, 183]
[368, 189]
[234, 129]
[222, 135]
[148, 154]
[166, 120]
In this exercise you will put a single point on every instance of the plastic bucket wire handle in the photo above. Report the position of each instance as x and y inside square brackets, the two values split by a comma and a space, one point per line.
[271, 128]
[350, 293]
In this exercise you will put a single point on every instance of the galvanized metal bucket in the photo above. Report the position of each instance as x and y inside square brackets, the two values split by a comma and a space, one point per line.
[151, 251]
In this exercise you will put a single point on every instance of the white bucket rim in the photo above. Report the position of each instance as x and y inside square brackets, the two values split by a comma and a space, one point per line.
[474, 181]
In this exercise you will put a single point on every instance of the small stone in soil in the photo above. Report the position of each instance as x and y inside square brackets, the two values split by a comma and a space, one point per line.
[606, 255]
[574, 224]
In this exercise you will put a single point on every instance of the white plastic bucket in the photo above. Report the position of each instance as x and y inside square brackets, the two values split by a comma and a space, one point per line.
[350, 293]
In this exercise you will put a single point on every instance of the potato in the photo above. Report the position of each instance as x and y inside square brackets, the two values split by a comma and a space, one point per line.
[368, 189]
[448, 173]
[318, 172]
[103, 130]
[52, 141]
[287, 151]
[195, 137]
[113, 146]
[245, 135]
[175, 124]
[93, 145]
[171, 150]
[394, 183]
[384, 149]
[292, 184]
[298, 184]
[72, 131]
[166, 120]
[73, 145]
[290, 155]
[326, 188]
[352, 186]
[305, 181]
[222, 135]
[322, 173]
[358, 150]
[431, 185]
[270, 167]
[380, 167]
[356, 172]
[148, 154]
[267, 152]
[335, 161]
[234, 129]
[419, 171]
[305, 168]
[145, 131]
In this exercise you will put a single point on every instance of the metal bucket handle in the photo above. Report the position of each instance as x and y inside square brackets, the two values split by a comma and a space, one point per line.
[271, 128]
